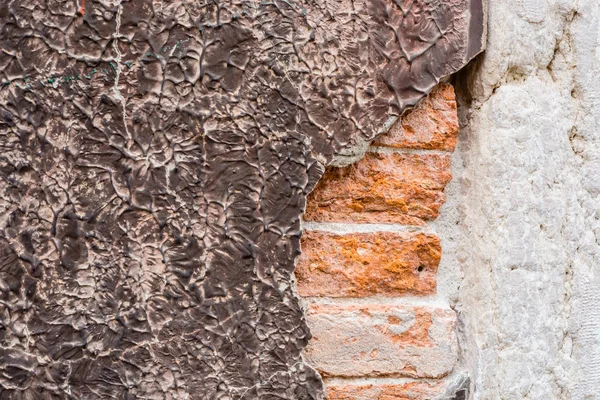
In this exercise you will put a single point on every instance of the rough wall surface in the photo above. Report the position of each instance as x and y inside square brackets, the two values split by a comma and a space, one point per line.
[155, 158]
[526, 191]
[382, 328]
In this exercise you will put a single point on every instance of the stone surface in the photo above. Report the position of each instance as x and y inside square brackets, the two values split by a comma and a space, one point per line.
[155, 158]
[526, 229]
[400, 391]
[431, 125]
[381, 340]
[382, 188]
[366, 264]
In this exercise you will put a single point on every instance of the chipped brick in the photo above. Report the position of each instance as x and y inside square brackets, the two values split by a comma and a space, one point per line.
[401, 391]
[382, 188]
[364, 264]
[381, 340]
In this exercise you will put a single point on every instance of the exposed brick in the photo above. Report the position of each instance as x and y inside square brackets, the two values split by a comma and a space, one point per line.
[378, 340]
[382, 188]
[432, 124]
[364, 264]
[381, 340]
[406, 391]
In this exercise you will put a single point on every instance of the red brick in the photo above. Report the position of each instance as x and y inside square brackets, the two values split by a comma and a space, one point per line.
[381, 340]
[432, 124]
[365, 264]
[382, 188]
[405, 391]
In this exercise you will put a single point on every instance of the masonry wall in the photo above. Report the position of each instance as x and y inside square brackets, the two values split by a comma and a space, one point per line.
[369, 264]
[520, 234]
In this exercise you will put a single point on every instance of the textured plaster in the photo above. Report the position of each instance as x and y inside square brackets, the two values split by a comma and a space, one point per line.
[155, 158]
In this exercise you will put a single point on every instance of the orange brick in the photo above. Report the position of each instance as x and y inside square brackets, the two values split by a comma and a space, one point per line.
[364, 264]
[381, 340]
[432, 124]
[406, 391]
[382, 188]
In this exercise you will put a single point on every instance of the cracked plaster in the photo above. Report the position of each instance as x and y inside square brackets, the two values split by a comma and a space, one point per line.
[155, 159]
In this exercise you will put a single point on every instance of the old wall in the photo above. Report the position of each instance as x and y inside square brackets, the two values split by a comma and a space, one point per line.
[525, 195]
[155, 158]
[520, 228]
[369, 269]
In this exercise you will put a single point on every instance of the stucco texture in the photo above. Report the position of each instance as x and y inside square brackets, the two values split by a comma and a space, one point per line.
[155, 158]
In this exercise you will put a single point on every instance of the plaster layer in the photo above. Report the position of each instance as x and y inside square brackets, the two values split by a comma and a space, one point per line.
[155, 158]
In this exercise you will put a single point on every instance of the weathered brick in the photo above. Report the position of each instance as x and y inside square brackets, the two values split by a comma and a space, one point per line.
[401, 391]
[432, 124]
[381, 340]
[364, 264]
[382, 188]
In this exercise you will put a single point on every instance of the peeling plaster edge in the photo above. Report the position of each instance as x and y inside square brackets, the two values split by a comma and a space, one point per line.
[455, 385]
[355, 153]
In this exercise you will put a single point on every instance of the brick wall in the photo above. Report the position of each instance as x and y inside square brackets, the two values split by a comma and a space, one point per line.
[369, 264]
